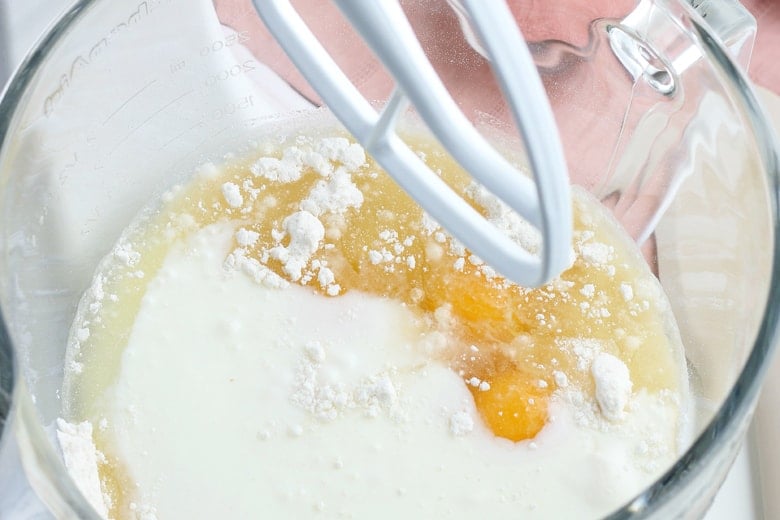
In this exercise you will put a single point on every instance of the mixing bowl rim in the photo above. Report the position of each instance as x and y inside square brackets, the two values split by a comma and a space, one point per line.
[68, 497]
[740, 400]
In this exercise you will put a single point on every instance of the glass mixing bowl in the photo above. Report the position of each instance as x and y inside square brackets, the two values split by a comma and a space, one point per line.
[124, 98]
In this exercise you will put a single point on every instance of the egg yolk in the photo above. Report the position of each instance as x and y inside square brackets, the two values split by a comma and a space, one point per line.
[514, 407]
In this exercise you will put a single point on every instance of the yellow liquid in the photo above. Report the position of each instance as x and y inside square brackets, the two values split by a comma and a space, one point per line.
[511, 338]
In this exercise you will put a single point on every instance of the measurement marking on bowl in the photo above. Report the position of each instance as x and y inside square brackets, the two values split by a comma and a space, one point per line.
[151, 116]
[181, 134]
[128, 100]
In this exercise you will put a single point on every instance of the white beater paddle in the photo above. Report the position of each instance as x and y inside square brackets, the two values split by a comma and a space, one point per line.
[544, 201]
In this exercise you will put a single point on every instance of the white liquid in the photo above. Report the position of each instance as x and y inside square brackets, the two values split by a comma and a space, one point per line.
[205, 424]
[217, 386]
